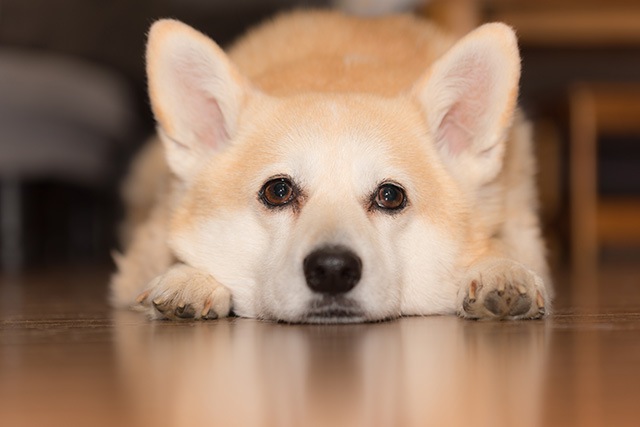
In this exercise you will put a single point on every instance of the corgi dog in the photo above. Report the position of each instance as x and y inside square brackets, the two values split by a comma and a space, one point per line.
[333, 169]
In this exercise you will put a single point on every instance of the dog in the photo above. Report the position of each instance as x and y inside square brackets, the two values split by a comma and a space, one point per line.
[333, 169]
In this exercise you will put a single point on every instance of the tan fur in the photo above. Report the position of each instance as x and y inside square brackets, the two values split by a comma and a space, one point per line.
[148, 182]
[312, 68]
[330, 52]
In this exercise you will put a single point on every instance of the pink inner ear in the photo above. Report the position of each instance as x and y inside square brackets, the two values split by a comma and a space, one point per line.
[200, 111]
[214, 132]
[455, 130]
[466, 117]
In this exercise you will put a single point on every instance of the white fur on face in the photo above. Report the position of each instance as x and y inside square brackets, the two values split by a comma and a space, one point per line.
[337, 156]
[338, 172]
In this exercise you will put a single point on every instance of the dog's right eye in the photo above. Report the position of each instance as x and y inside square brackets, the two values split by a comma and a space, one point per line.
[390, 197]
[277, 192]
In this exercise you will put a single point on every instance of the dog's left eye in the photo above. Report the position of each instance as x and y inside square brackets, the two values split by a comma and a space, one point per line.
[277, 192]
[390, 197]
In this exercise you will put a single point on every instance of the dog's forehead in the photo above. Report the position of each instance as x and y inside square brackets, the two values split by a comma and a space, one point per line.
[342, 138]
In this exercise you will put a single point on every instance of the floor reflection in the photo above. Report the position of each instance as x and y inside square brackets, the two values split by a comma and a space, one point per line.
[412, 372]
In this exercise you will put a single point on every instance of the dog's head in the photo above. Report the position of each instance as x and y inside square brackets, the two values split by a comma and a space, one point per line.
[321, 207]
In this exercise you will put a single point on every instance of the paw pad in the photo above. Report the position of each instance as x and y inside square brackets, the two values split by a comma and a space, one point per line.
[503, 290]
[185, 293]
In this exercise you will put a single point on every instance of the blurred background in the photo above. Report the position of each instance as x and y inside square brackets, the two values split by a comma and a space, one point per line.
[73, 112]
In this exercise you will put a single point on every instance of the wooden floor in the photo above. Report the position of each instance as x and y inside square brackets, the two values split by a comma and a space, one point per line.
[67, 360]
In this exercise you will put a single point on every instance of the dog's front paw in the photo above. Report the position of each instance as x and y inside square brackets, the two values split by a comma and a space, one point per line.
[184, 292]
[502, 289]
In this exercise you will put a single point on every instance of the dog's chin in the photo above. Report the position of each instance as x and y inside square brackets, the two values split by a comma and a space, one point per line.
[334, 310]
[328, 310]
[334, 316]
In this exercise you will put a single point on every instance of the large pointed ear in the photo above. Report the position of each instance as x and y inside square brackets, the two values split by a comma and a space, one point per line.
[196, 94]
[469, 96]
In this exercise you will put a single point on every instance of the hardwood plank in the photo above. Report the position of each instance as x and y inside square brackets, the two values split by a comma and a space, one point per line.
[66, 359]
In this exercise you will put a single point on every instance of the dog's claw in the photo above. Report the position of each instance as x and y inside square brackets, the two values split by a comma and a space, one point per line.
[206, 309]
[143, 296]
[540, 303]
[472, 291]
[540, 300]
[185, 311]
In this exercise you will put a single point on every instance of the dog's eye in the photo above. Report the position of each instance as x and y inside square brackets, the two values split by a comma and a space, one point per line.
[390, 197]
[277, 192]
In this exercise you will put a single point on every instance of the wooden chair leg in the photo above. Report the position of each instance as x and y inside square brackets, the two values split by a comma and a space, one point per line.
[11, 244]
[583, 186]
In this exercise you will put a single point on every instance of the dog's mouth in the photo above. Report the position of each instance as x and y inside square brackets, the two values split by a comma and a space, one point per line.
[334, 310]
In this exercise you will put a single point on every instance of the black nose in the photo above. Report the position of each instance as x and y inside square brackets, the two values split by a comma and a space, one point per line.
[332, 270]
